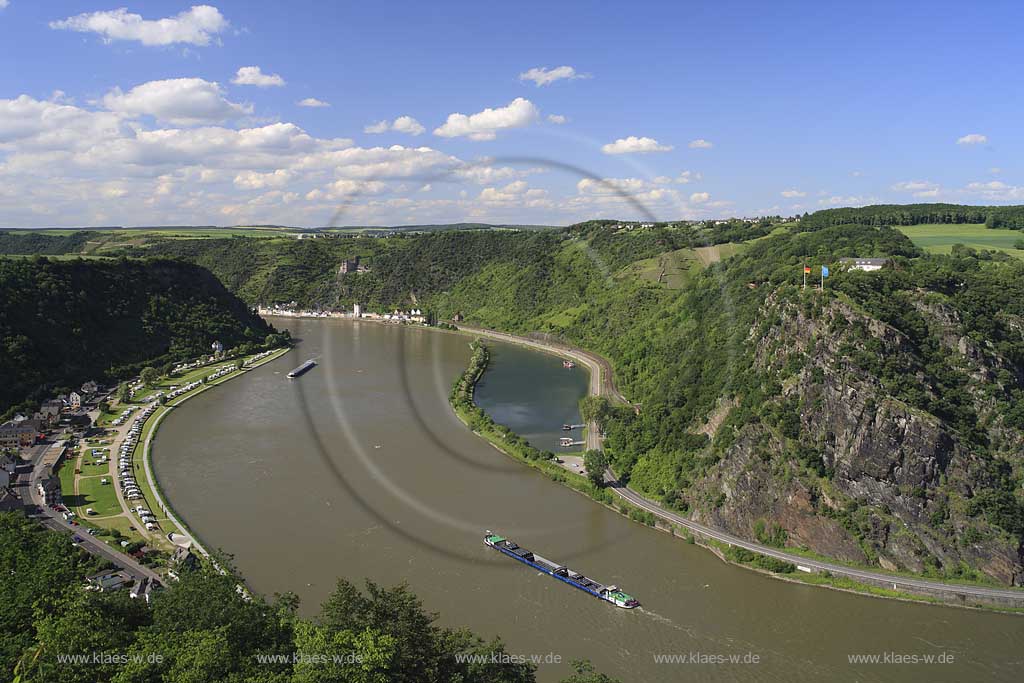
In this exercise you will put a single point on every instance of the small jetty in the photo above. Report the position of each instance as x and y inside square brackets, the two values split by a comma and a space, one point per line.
[302, 369]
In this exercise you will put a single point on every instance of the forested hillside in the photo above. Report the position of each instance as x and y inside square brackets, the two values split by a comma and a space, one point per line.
[917, 214]
[65, 322]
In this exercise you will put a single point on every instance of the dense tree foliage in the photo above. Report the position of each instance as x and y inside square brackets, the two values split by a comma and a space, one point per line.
[65, 322]
[203, 628]
[31, 242]
[916, 214]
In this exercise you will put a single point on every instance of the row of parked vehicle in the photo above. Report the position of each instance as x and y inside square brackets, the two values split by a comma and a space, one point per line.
[129, 486]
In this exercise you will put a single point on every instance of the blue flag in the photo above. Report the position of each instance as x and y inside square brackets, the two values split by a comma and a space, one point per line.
[824, 271]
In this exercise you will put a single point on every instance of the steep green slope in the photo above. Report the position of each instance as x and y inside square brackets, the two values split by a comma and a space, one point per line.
[65, 322]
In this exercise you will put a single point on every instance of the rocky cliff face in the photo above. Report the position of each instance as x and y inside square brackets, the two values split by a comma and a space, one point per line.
[859, 473]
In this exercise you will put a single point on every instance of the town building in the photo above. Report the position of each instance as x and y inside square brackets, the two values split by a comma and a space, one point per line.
[357, 310]
[48, 487]
[109, 581]
[75, 400]
[90, 388]
[9, 500]
[867, 264]
[15, 434]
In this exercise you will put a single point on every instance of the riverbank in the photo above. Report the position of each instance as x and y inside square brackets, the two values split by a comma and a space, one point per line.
[805, 569]
[150, 430]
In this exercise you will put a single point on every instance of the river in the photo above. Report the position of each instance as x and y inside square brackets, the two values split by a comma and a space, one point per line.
[359, 469]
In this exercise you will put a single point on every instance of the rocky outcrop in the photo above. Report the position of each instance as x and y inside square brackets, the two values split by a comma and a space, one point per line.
[894, 485]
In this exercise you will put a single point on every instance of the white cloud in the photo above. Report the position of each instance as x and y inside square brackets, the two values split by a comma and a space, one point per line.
[407, 124]
[995, 170]
[3, 4]
[196, 26]
[699, 197]
[972, 139]
[918, 188]
[544, 76]
[635, 145]
[254, 180]
[700, 143]
[996, 190]
[312, 102]
[686, 177]
[181, 101]
[611, 186]
[839, 200]
[253, 75]
[485, 125]
[403, 124]
[557, 118]
[789, 194]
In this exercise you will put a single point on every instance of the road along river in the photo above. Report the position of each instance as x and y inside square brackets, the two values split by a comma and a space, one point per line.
[360, 469]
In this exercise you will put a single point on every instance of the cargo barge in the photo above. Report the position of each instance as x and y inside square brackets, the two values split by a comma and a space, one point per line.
[302, 369]
[610, 594]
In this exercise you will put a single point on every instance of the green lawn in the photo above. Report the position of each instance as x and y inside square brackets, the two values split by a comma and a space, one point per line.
[99, 497]
[940, 239]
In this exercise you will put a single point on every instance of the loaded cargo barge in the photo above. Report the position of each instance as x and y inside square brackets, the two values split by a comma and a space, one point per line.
[302, 369]
[610, 594]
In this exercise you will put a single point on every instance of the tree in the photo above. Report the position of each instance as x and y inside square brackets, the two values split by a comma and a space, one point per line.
[149, 376]
[124, 393]
[595, 462]
[584, 672]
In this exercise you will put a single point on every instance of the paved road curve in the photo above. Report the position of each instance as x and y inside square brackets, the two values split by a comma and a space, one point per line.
[601, 384]
[52, 519]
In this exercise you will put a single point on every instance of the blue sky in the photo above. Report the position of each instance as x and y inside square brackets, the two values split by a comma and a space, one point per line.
[519, 112]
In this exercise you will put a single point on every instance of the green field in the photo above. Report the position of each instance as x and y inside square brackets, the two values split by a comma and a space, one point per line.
[940, 238]
[99, 497]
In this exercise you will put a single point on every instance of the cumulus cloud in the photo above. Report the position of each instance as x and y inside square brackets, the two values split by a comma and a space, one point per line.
[839, 200]
[486, 124]
[312, 102]
[196, 26]
[918, 188]
[557, 118]
[3, 4]
[686, 177]
[611, 186]
[253, 75]
[996, 190]
[544, 76]
[789, 194]
[635, 145]
[972, 139]
[254, 180]
[700, 143]
[403, 124]
[699, 197]
[181, 101]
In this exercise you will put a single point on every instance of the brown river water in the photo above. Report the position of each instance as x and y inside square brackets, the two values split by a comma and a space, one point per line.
[360, 469]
